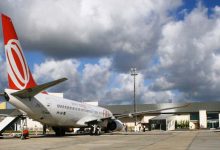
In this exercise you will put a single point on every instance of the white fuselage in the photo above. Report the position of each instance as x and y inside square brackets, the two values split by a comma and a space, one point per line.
[56, 111]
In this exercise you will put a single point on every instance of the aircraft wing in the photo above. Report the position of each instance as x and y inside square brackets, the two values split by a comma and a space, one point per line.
[147, 112]
[91, 120]
[131, 115]
[31, 92]
[96, 121]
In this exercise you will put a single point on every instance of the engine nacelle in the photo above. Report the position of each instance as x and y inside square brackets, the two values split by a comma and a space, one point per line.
[115, 125]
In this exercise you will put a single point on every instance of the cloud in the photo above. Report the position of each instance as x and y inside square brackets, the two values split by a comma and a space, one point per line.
[66, 29]
[93, 82]
[189, 56]
[3, 70]
[123, 92]
[3, 77]
[95, 79]
[177, 58]
[127, 32]
[51, 70]
[89, 85]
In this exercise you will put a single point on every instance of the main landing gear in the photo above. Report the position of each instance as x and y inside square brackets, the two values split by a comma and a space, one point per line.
[95, 130]
[59, 131]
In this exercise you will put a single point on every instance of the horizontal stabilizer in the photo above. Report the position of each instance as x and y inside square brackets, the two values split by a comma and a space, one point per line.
[31, 92]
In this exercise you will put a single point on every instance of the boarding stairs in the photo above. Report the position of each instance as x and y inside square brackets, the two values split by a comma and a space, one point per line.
[7, 122]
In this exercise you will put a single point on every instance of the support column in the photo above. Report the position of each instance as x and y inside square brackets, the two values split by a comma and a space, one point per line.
[202, 119]
[219, 120]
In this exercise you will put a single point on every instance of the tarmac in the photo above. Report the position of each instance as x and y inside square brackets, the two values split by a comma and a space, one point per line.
[151, 140]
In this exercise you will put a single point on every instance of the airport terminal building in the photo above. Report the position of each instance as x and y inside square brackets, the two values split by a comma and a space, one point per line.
[197, 115]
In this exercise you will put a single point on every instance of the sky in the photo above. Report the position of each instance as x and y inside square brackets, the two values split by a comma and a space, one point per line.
[174, 44]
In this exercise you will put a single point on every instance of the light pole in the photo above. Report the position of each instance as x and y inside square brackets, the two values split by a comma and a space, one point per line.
[134, 73]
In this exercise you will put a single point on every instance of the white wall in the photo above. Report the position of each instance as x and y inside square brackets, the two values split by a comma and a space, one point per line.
[146, 119]
[34, 125]
[171, 123]
[31, 125]
[57, 94]
[192, 125]
[219, 119]
[202, 119]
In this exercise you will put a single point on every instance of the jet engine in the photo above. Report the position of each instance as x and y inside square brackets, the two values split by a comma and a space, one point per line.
[115, 125]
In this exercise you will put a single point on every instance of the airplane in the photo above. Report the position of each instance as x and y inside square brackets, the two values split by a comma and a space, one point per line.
[59, 113]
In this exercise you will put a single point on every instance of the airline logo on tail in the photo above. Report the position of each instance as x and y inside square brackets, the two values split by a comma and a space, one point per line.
[17, 66]
[19, 75]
